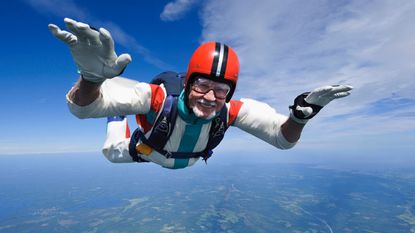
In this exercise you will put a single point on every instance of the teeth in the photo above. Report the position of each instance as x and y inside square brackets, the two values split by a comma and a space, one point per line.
[207, 103]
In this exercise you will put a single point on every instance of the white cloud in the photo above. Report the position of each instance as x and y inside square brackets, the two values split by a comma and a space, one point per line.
[66, 8]
[288, 47]
[70, 9]
[176, 10]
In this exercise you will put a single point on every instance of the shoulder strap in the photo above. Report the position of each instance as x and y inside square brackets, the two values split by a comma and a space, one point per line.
[162, 129]
[164, 124]
[217, 132]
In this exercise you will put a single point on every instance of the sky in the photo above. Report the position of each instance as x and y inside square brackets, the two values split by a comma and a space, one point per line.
[285, 48]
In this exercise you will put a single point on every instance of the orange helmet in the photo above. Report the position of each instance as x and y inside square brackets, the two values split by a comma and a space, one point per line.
[215, 61]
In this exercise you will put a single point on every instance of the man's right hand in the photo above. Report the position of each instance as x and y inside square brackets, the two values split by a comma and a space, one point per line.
[92, 50]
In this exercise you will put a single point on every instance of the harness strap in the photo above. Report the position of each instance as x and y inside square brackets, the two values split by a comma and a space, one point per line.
[175, 155]
[216, 133]
[131, 147]
[163, 126]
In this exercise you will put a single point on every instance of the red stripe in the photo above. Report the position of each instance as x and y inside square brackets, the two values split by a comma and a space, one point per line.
[142, 121]
[235, 106]
[127, 130]
[157, 97]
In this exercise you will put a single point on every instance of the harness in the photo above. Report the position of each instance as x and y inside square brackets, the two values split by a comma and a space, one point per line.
[165, 122]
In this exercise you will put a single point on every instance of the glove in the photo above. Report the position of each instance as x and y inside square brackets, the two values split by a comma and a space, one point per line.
[307, 105]
[92, 50]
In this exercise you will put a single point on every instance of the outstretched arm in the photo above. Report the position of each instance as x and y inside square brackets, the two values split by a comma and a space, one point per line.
[260, 120]
[99, 93]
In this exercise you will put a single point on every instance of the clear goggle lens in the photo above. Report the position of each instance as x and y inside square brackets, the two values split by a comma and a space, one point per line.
[203, 86]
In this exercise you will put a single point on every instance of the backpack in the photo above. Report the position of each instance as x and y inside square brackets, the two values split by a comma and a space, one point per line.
[164, 124]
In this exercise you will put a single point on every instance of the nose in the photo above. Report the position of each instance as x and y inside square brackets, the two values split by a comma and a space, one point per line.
[210, 95]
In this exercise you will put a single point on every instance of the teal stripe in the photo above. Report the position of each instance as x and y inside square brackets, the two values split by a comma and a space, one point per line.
[188, 143]
[151, 116]
[180, 163]
[190, 137]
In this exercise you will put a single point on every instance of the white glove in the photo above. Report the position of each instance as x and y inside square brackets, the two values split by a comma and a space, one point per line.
[92, 50]
[307, 105]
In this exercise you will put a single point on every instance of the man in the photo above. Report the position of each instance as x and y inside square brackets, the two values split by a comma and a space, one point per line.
[176, 132]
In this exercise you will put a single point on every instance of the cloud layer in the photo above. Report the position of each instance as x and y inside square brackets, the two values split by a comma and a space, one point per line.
[288, 47]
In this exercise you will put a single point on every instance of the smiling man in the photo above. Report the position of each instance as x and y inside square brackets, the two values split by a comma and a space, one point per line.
[176, 131]
[207, 97]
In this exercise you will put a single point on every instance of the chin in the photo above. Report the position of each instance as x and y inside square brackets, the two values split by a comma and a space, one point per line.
[200, 113]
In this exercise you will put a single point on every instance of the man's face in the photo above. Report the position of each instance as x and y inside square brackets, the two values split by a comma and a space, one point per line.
[207, 97]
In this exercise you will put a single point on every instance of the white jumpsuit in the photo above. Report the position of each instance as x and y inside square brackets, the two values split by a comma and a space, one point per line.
[120, 97]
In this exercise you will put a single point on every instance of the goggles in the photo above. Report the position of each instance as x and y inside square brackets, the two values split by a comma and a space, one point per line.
[203, 86]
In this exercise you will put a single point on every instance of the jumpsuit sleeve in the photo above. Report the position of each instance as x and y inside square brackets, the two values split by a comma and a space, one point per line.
[116, 145]
[119, 97]
[262, 121]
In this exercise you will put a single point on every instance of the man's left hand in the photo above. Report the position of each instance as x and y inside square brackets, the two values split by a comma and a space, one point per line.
[307, 105]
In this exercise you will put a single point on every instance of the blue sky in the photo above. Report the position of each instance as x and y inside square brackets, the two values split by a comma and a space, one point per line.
[285, 48]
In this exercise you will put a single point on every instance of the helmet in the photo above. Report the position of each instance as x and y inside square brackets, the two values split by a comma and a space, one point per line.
[215, 61]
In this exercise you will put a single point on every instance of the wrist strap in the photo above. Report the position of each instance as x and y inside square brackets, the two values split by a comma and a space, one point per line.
[300, 101]
[297, 120]
[90, 82]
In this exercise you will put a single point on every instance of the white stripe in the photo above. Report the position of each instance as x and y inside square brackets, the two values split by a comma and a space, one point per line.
[203, 138]
[221, 52]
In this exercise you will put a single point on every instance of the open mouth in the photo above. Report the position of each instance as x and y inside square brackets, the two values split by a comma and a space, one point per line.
[206, 104]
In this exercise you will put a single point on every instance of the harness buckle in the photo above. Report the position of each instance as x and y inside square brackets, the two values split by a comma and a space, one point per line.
[144, 149]
[168, 154]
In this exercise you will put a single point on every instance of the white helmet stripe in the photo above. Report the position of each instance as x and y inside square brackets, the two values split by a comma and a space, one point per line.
[221, 53]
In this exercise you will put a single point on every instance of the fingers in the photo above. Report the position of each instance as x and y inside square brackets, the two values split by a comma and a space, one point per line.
[106, 40]
[123, 60]
[83, 31]
[91, 35]
[341, 88]
[324, 95]
[333, 89]
[65, 36]
[71, 25]
[323, 89]
[340, 91]
[341, 94]
[120, 64]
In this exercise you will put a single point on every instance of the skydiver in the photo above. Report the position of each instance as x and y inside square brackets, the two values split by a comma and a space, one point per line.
[175, 132]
